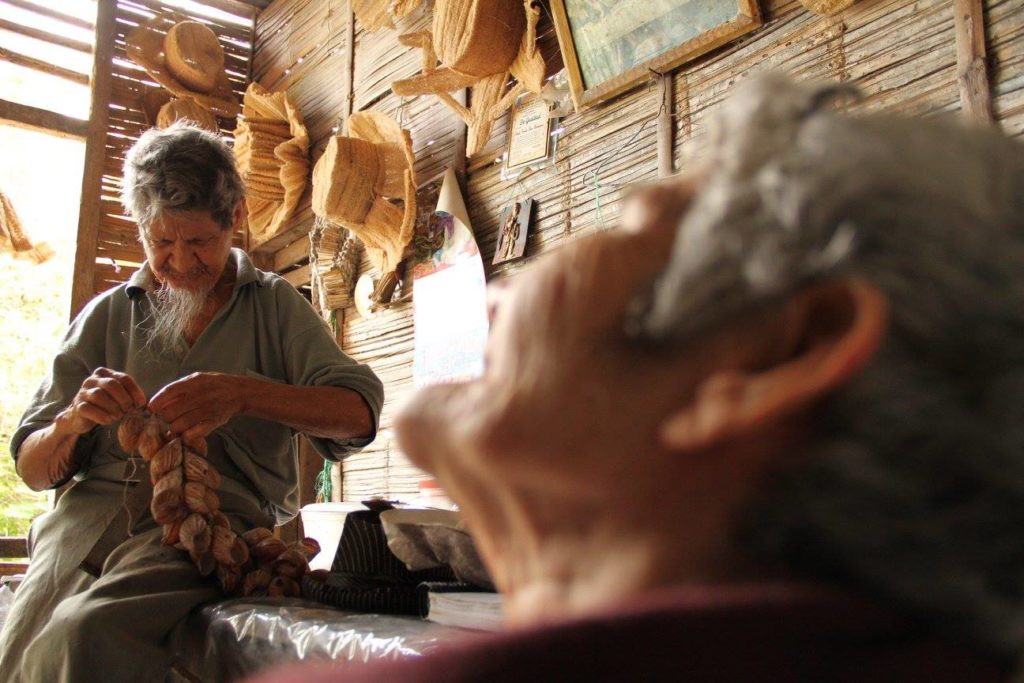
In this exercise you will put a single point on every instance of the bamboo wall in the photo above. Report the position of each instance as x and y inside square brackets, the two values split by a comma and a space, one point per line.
[902, 54]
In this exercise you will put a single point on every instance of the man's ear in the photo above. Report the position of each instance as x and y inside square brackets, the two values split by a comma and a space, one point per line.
[240, 214]
[832, 329]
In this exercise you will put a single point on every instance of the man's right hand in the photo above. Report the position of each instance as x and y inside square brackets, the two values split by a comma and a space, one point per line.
[105, 397]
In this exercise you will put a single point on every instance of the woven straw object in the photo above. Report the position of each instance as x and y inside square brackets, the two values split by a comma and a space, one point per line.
[480, 44]
[272, 153]
[826, 7]
[356, 177]
[186, 58]
[334, 255]
[374, 15]
[186, 110]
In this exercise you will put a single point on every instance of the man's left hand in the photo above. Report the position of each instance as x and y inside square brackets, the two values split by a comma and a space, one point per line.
[195, 405]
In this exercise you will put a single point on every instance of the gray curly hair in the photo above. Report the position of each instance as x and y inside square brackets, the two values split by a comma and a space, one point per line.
[914, 486]
[182, 168]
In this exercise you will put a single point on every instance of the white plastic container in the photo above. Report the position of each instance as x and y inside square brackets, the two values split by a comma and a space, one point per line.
[324, 522]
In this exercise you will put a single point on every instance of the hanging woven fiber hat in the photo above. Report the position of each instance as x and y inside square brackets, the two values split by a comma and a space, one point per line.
[152, 100]
[272, 154]
[186, 110]
[186, 58]
[355, 178]
[478, 37]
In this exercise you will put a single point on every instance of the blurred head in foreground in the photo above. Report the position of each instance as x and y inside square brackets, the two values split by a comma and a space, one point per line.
[807, 362]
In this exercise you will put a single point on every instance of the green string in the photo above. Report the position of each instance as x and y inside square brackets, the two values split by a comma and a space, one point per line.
[323, 485]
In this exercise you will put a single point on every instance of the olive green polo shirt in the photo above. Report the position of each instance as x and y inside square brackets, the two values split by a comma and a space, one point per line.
[267, 330]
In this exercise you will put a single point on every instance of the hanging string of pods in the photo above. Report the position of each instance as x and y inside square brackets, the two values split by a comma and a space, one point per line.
[186, 504]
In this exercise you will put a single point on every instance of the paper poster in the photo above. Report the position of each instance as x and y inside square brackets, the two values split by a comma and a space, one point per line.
[449, 298]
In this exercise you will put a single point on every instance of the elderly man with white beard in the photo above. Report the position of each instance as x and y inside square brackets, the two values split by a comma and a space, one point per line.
[218, 350]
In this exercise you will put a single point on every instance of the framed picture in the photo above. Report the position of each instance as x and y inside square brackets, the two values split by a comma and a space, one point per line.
[513, 224]
[609, 46]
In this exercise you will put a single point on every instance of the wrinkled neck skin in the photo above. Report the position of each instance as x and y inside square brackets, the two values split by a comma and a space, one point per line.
[591, 554]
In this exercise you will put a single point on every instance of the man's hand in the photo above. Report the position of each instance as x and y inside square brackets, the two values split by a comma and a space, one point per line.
[105, 397]
[197, 404]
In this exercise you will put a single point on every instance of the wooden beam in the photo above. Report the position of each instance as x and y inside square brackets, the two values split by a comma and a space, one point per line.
[83, 284]
[298, 277]
[666, 163]
[11, 568]
[42, 120]
[39, 65]
[971, 63]
[45, 36]
[292, 254]
[13, 546]
[50, 13]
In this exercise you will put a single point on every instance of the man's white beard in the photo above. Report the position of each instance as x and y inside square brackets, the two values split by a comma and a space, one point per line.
[174, 310]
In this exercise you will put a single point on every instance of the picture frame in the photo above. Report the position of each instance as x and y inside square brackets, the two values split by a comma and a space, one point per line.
[609, 46]
[513, 228]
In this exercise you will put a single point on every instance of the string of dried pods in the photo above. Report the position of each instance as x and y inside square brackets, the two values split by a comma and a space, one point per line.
[186, 504]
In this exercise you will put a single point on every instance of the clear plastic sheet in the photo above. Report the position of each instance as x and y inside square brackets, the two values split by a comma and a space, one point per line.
[247, 635]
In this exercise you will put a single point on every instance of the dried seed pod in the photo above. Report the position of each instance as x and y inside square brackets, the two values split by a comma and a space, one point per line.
[239, 552]
[204, 562]
[311, 547]
[195, 534]
[195, 497]
[221, 545]
[267, 549]
[218, 518]
[212, 478]
[196, 467]
[166, 459]
[172, 532]
[283, 587]
[129, 431]
[212, 500]
[255, 580]
[292, 564]
[151, 440]
[254, 536]
[230, 578]
[197, 444]
[167, 506]
[170, 480]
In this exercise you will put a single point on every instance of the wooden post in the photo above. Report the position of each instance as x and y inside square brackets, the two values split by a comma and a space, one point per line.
[350, 60]
[971, 64]
[666, 164]
[83, 284]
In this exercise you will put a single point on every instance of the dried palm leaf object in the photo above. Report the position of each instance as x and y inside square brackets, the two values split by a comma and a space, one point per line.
[272, 153]
[480, 44]
[186, 58]
[13, 238]
[354, 181]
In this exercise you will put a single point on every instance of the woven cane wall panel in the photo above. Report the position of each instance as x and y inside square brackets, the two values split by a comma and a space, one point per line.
[902, 54]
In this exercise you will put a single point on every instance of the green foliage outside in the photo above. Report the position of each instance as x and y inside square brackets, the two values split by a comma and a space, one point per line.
[33, 318]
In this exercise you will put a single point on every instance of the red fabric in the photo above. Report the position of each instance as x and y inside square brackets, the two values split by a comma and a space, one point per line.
[770, 633]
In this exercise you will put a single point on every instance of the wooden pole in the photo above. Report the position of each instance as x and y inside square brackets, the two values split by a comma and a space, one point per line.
[83, 284]
[971, 64]
[42, 120]
[666, 164]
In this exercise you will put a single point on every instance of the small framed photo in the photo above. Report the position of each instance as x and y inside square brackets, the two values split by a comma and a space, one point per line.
[513, 225]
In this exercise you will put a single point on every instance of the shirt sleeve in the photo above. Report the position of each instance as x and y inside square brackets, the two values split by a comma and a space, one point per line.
[312, 358]
[81, 352]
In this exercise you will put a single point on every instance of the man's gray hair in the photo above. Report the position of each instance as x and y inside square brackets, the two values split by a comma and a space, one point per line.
[181, 168]
[913, 488]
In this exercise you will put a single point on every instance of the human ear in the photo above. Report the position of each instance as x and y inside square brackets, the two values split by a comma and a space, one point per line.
[829, 332]
[240, 214]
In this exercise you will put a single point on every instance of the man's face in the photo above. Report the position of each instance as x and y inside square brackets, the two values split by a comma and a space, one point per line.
[187, 250]
[564, 424]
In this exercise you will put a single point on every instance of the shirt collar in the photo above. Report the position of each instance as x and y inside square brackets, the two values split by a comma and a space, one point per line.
[142, 280]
